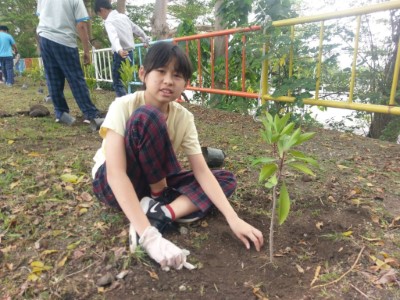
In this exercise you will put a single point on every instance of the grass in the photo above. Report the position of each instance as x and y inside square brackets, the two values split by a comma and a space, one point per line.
[40, 211]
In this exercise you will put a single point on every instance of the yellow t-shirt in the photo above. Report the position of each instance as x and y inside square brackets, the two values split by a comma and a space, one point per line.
[180, 124]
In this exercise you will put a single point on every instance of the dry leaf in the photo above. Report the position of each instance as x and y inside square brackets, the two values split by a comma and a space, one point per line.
[387, 277]
[77, 254]
[341, 167]
[204, 224]
[331, 199]
[122, 274]
[61, 263]
[14, 184]
[86, 196]
[316, 275]
[47, 252]
[153, 275]
[300, 269]
[319, 225]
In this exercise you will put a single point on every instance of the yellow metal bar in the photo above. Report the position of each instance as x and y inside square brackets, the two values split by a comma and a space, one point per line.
[394, 4]
[354, 66]
[264, 74]
[321, 39]
[291, 54]
[384, 109]
[395, 76]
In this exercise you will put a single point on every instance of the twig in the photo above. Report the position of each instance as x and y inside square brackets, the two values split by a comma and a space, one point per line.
[77, 272]
[366, 296]
[341, 277]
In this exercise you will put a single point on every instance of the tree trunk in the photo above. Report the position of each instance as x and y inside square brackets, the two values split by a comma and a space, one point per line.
[159, 26]
[380, 121]
[121, 6]
[219, 42]
[91, 14]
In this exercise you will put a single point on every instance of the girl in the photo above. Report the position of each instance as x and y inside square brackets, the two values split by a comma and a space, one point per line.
[141, 133]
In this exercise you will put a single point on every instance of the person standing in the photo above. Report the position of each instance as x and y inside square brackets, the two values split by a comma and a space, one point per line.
[7, 45]
[120, 30]
[59, 24]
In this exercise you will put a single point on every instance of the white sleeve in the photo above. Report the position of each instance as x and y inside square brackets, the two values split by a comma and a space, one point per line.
[139, 32]
[113, 36]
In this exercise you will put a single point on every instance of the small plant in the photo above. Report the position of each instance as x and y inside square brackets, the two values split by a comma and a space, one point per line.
[91, 83]
[283, 137]
[126, 71]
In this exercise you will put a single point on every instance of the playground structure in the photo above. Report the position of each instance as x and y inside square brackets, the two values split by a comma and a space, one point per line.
[102, 59]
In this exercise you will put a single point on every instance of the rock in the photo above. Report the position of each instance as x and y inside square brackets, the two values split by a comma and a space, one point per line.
[4, 114]
[105, 280]
[24, 86]
[183, 230]
[38, 110]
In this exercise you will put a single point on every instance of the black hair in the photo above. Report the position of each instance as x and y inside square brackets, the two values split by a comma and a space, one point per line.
[4, 28]
[161, 53]
[102, 4]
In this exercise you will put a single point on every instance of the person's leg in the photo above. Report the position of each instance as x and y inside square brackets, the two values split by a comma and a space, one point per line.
[9, 68]
[3, 69]
[68, 60]
[54, 75]
[186, 184]
[149, 154]
[116, 76]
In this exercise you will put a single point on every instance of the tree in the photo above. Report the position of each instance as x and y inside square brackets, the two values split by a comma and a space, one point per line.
[20, 17]
[121, 6]
[159, 23]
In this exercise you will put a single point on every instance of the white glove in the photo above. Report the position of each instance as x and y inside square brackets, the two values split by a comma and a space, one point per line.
[163, 251]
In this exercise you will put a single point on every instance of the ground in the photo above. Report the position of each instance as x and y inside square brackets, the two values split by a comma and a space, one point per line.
[340, 241]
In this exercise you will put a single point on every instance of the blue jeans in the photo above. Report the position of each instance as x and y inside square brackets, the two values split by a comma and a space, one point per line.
[60, 63]
[116, 76]
[7, 67]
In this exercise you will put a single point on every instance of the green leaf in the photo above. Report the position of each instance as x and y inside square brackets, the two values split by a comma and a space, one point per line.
[288, 129]
[282, 122]
[304, 137]
[262, 160]
[302, 168]
[267, 171]
[297, 153]
[273, 181]
[293, 139]
[284, 204]
[69, 178]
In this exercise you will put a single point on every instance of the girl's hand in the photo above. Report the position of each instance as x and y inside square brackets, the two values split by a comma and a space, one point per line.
[245, 232]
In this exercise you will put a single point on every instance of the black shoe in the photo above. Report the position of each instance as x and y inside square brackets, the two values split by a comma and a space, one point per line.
[155, 214]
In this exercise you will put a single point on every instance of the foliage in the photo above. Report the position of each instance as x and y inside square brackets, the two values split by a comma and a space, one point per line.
[36, 73]
[91, 83]
[20, 17]
[283, 137]
[126, 71]
[195, 11]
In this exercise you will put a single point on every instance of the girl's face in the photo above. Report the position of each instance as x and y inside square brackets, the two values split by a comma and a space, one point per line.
[163, 85]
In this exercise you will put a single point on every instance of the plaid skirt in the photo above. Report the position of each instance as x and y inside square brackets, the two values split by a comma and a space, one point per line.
[150, 158]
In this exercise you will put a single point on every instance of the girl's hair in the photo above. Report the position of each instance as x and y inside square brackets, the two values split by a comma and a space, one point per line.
[161, 53]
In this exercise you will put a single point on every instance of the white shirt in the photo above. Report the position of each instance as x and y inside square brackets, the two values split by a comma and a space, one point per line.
[58, 19]
[120, 31]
